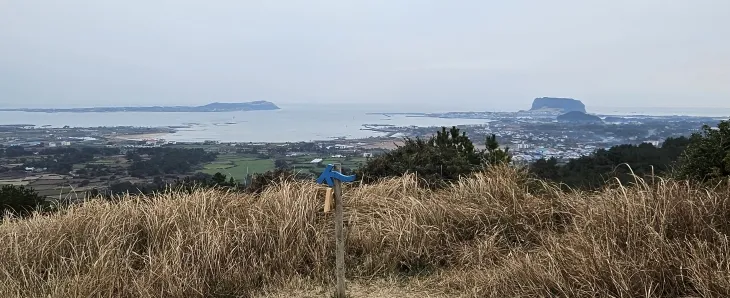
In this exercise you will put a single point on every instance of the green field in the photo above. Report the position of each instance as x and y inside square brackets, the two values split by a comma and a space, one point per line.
[238, 166]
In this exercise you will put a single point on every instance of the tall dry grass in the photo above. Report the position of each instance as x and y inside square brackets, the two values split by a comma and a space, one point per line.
[491, 235]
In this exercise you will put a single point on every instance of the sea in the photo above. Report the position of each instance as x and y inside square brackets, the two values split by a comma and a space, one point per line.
[292, 123]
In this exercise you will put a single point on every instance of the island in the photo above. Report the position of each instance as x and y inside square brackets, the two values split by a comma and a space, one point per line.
[579, 117]
[211, 107]
[557, 103]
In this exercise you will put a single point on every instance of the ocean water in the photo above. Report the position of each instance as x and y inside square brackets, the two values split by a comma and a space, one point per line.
[661, 111]
[290, 124]
[298, 122]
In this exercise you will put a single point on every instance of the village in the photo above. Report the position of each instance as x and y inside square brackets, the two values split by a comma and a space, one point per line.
[68, 162]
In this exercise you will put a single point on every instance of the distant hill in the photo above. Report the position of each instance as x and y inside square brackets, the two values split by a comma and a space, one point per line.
[578, 117]
[563, 104]
[211, 107]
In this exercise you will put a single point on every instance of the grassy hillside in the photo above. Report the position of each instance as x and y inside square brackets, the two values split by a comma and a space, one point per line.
[487, 236]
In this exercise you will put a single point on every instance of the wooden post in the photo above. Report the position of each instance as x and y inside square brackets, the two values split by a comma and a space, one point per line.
[340, 237]
[328, 200]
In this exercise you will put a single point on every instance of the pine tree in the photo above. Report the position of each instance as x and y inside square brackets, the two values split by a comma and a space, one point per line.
[707, 157]
[219, 179]
[444, 157]
[494, 154]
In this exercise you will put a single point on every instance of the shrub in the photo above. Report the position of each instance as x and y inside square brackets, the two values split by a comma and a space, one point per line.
[19, 200]
[259, 182]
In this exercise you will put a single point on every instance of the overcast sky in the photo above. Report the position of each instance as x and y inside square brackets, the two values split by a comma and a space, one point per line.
[476, 54]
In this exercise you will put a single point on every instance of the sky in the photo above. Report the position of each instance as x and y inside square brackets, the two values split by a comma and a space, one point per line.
[460, 54]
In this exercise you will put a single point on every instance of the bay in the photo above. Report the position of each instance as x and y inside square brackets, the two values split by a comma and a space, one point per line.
[292, 123]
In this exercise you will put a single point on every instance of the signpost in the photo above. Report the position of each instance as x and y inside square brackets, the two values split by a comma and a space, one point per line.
[328, 200]
[333, 178]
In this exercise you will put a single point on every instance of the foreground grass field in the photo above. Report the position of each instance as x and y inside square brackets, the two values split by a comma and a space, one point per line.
[492, 235]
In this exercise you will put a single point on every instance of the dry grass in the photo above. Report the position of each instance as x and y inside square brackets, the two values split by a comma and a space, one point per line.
[487, 236]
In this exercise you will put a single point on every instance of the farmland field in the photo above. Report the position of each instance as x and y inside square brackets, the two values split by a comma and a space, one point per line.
[51, 186]
[16, 182]
[238, 166]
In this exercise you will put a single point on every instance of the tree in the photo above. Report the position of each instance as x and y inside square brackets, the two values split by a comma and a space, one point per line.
[444, 157]
[16, 151]
[19, 200]
[494, 154]
[707, 157]
[219, 179]
[546, 169]
[133, 156]
[167, 161]
[281, 164]
[593, 171]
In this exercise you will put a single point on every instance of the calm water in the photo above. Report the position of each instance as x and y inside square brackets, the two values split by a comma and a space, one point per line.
[291, 123]
[705, 112]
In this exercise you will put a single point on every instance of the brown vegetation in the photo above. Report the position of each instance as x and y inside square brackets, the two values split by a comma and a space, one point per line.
[492, 235]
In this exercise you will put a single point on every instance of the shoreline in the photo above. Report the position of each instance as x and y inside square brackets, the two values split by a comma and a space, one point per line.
[141, 137]
[385, 142]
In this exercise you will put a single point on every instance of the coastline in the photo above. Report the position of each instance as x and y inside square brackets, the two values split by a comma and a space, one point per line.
[141, 137]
